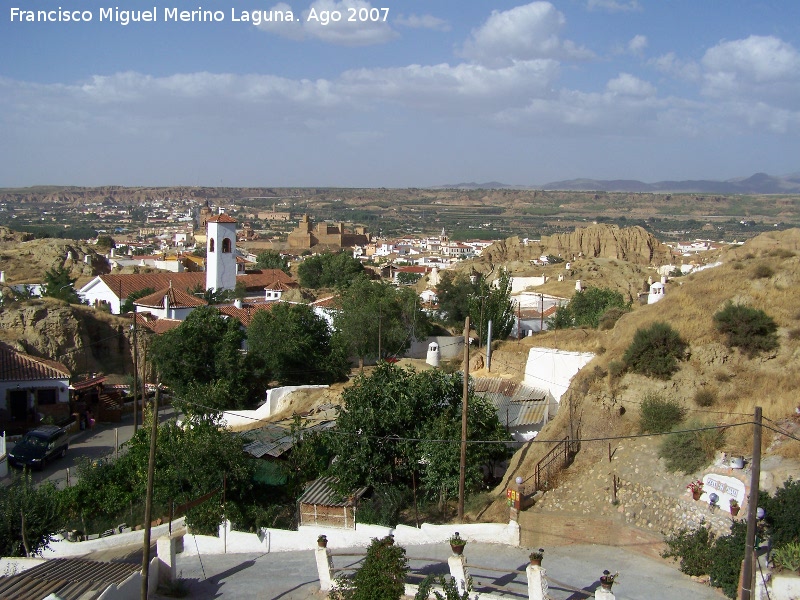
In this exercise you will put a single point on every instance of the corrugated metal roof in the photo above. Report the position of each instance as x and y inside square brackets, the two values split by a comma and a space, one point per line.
[516, 403]
[68, 578]
[17, 366]
[274, 440]
[321, 492]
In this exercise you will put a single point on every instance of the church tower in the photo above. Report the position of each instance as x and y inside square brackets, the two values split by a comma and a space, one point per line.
[221, 253]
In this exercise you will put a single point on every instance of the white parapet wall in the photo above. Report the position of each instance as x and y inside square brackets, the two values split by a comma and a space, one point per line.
[553, 370]
[283, 540]
[275, 402]
[60, 547]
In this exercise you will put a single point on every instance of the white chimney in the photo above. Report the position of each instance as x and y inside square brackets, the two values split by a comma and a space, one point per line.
[237, 303]
[2, 276]
[578, 287]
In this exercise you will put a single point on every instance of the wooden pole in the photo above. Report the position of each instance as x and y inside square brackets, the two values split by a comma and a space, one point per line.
[135, 373]
[463, 465]
[148, 504]
[746, 593]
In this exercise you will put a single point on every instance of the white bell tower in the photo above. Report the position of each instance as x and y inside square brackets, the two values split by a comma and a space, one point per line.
[221, 253]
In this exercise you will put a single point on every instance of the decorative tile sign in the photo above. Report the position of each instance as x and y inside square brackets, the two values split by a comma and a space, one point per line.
[725, 487]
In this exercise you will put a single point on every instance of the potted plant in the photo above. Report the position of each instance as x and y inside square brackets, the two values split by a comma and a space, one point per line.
[457, 544]
[536, 557]
[696, 488]
[607, 579]
[734, 507]
[322, 541]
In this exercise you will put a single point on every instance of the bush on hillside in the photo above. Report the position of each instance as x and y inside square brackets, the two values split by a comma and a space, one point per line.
[586, 308]
[705, 397]
[655, 351]
[690, 450]
[763, 271]
[727, 559]
[749, 329]
[658, 414]
[609, 318]
[693, 547]
[783, 514]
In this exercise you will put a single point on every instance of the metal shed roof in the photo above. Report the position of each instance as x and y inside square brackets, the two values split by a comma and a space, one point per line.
[274, 440]
[516, 403]
[321, 492]
[68, 578]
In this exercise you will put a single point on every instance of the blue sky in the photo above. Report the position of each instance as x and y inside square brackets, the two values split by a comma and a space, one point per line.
[443, 91]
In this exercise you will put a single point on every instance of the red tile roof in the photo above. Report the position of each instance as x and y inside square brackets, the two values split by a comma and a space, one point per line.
[221, 218]
[177, 299]
[159, 326]
[188, 280]
[245, 314]
[17, 366]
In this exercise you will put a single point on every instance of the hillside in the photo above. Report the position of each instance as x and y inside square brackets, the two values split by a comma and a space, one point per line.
[765, 274]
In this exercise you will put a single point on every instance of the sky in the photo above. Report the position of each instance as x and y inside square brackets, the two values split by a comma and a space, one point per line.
[409, 93]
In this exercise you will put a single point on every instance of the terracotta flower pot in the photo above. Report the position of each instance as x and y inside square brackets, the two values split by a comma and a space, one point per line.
[696, 494]
[458, 549]
[735, 510]
[606, 586]
[536, 561]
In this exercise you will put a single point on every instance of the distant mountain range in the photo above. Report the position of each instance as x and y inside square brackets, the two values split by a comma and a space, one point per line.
[760, 183]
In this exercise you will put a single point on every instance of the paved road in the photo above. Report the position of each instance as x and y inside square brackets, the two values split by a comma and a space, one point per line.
[94, 443]
[573, 573]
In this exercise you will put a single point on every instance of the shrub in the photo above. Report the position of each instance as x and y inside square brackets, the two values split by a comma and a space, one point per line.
[783, 514]
[609, 318]
[694, 548]
[655, 351]
[727, 559]
[705, 397]
[781, 253]
[689, 451]
[381, 576]
[659, 414]
[763, 271]
[787, 557]
[616, 368]
[747, 328]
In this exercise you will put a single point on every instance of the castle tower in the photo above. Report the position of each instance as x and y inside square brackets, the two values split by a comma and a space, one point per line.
[220, 253]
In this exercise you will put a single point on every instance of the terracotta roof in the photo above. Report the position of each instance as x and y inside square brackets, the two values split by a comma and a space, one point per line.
[414, 269]
[279, 286]
[329, 302]
[221, 218]
[66, 578]
[127, 284]
[245, 314]
[160, 326]
[17, 366]
[177, 299]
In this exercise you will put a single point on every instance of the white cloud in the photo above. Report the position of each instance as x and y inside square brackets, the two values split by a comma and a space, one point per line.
[613, 5]
[422, 22]
[315, 23]
[673, 66]
[628, 85]
[522, 33]
[637, 45]
[758, 66]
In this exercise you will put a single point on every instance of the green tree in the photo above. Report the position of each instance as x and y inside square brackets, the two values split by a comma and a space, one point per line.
[392, 403]
[29, 515]
[291, 344]
[586, 308]
[105, 242]
[127, 305]
[408, 278]
[726, 562]
[747, 328]
[203, 349]
[375, 316]
[655, 351]
[270, 259]
[329, 270]
[454, 292]
[58, 284]
[493, 303]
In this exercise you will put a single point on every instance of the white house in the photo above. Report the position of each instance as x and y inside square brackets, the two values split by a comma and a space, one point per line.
[30, 387]
[169, 303]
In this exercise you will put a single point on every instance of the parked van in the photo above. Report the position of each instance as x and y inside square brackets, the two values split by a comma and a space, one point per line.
[39, 446]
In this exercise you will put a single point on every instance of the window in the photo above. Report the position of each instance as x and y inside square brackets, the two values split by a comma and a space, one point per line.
[46, 396]
[226, 244]
[211, 245]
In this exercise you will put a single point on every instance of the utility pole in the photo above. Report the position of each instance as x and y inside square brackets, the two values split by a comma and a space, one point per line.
[135, 372]
[746, 592]
[148, 504]
[463, 465]
[541, 314]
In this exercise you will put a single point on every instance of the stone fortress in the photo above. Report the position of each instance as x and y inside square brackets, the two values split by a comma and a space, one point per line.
[306, 235]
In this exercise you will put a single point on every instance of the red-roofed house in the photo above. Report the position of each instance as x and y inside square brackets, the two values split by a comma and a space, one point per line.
[169, 303]
[30, 386]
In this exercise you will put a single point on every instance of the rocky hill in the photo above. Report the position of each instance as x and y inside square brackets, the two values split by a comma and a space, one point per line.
[24, 259]
[81, 338]
[631, 244]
